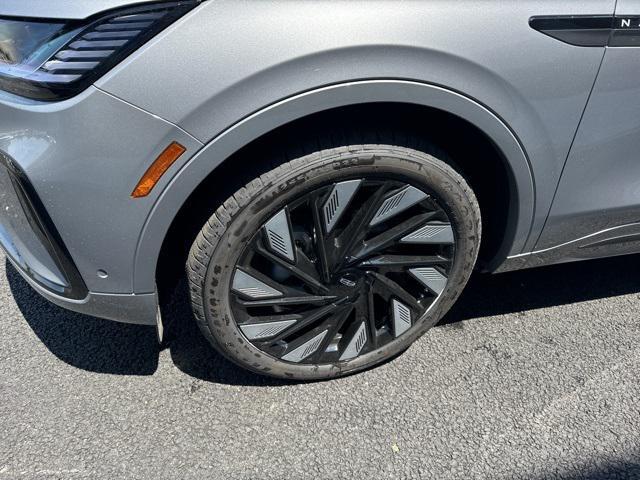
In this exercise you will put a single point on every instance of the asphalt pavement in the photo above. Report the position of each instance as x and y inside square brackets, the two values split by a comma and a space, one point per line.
[533, 375]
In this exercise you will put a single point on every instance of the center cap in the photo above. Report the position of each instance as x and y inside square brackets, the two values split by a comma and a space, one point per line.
[348, 281]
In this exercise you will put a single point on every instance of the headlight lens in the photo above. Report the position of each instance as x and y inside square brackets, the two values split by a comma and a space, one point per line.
[52, 60]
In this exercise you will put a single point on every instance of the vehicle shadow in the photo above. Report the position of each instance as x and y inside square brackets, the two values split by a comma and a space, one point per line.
[85, 342]
[605, 470]
[108, 347]
[524, 290]
[191, 352]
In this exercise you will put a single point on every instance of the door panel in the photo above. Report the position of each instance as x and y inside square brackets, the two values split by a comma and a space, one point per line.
[600, 186]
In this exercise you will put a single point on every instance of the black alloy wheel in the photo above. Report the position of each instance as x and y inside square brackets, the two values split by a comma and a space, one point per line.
[342, 270]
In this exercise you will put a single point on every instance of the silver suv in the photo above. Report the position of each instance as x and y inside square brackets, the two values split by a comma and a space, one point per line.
[330, 172]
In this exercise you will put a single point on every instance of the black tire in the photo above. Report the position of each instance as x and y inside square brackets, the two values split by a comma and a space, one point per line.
[222, 240]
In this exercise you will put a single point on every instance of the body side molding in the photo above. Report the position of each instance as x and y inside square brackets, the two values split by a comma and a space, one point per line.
[590, 30]
[610, 242]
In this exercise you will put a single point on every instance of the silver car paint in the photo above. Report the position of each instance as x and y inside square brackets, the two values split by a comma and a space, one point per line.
[232, 70]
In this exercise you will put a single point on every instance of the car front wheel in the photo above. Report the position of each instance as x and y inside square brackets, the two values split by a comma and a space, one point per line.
[334, 262]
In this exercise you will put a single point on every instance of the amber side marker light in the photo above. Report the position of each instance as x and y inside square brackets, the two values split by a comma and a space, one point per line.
[157, 169]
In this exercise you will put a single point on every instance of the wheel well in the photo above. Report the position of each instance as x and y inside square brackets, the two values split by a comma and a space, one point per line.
[470, 151]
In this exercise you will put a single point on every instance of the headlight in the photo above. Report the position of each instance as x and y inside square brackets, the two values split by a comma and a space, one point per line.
[54, 59]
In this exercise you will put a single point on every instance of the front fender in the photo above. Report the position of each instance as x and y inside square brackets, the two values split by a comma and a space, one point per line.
[224, 145]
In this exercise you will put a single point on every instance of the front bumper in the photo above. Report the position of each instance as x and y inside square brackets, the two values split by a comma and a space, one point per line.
[138, 309]
[67, 220]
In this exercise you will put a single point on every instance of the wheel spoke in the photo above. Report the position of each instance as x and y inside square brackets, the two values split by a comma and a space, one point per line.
[321, 247]
[294, 300]
[401, 315]
[431, 278]
[336, 204]
[389, 237]
[313, 343]
[357, 339]
[309, 318]
[433, 233]
[397, 203]
[306, 346]
[333, 324]
[358, 228]
[258, 328]
[365, 312]
[303, 269]
[399, 263]
[389, 289]
[245, 318]
[254, 285]
[278, 235]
